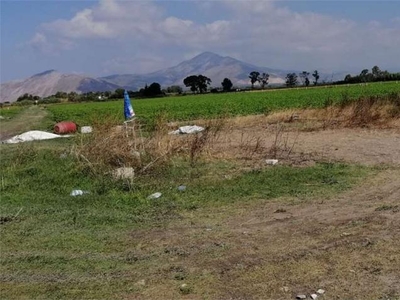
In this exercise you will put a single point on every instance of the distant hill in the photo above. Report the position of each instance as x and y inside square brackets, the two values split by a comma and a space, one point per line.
[50, 82]
[212, 65]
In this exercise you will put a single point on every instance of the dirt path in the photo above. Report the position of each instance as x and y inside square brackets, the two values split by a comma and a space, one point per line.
[29, 119]
[364, 146]
[346, 244]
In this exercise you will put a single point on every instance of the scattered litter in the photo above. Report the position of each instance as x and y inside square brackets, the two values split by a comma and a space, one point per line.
[272, 162]
[314, 296]
[75, 193]
[154, 196]
[301, 297]
[86, 129]
[124, 173]
[65, 127]
[345, 234]
[321, 291]
[34, 135]
[208, 229]
[187, 130]
[2, 118]
[182, 188]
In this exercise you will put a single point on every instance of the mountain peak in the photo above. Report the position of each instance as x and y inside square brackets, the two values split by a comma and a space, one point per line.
[207, 56]
[45, 73]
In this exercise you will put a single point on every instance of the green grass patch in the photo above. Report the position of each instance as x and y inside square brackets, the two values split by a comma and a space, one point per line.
[60, 246]
[227, 104]
[10, 111]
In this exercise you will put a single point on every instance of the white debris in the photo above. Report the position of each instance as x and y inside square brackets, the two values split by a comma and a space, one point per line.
[34, 135]
[187, 130]
[154, 196]
[182, 188]
[314, 296]
[321, 291]
[272, 162]
[75, 193]
[86, 129]
[2, 118]
[301, 297]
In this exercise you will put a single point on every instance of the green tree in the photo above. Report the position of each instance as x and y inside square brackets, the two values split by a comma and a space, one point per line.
[304, 78]
[263, 79]
[254, 77]
[316, 77]
[191, 81]
[226, 84]
[174, 89]
[376, 72]
[119, 93]
[347, 78]
[291, 80]
[202, 83]
[197, 83]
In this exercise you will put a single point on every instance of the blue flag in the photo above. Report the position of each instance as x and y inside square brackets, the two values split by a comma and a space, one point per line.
[128, 109]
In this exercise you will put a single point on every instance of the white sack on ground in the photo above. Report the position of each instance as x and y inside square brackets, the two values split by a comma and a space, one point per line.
[188, 130]
[34, 135]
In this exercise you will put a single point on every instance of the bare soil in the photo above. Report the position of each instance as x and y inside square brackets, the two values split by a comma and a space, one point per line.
[348, 245]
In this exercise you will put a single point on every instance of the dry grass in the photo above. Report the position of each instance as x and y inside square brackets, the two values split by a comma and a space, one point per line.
[110, 146]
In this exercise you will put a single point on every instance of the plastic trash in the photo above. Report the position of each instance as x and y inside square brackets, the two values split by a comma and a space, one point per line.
[182, 188]
[154, 196]
[75, 193]
[86, 129]
[272, 162]
[187, 130]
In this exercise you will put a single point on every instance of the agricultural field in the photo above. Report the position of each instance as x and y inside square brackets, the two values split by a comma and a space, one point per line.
[227, 223]
[214, 105]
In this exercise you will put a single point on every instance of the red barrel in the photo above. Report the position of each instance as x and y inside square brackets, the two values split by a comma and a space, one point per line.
[65, 127]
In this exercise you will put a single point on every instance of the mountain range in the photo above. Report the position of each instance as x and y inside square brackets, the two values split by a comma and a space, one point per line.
[212, 65]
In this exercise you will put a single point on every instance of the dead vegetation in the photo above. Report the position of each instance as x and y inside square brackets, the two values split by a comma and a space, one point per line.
[110, 147]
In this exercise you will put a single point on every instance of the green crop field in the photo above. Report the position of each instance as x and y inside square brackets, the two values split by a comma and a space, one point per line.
[213, 105]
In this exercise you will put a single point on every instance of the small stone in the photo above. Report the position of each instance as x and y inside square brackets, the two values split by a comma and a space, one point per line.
[154, 196]
[285, 289]
[185, 289]
[314, 296]
[141, 282]
[301, 297]
[321, 291]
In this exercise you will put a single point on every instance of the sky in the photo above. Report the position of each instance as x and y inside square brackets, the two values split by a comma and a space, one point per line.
[105, 37]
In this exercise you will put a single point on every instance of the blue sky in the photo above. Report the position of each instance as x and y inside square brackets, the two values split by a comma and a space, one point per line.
[106, 37]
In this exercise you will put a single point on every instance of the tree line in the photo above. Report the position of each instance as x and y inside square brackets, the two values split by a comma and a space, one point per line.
[200, 84]
[375, 75]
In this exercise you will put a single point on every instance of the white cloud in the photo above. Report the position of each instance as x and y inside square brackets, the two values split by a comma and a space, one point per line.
[261, 32]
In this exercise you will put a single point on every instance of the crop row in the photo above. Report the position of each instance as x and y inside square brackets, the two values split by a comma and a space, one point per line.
[213, 105]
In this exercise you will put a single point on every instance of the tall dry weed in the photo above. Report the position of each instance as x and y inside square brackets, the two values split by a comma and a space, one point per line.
[109, 147]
